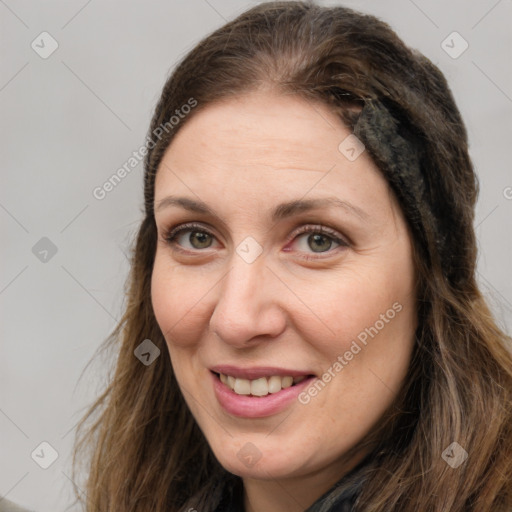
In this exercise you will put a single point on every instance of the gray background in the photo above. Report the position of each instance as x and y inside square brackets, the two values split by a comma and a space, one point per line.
[71, 120]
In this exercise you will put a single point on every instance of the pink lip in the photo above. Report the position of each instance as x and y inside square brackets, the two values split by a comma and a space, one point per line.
[256, 372]
[246, 406]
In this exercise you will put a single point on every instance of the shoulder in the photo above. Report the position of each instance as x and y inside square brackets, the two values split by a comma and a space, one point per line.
[9, 506]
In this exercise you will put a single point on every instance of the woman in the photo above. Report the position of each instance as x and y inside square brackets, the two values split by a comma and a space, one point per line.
[303, 328]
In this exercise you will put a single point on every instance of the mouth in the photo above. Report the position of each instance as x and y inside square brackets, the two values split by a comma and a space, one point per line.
[258, 392]
[262, 386]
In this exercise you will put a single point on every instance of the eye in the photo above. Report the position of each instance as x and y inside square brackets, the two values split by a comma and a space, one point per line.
[194, 234]
[316, 239]
[319, 239]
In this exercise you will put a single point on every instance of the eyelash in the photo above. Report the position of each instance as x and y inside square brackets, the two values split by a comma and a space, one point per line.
[172, 233]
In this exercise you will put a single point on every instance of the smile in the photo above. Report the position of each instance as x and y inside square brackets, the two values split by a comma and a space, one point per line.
[257, 392]
[259, 387]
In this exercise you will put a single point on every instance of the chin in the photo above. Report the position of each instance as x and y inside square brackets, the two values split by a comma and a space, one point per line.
[258, 459]
[262, 470]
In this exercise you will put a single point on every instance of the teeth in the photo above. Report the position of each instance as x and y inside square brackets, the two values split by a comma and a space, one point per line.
[286, 382]
[274, 384]
[242, 387]
[261, 386]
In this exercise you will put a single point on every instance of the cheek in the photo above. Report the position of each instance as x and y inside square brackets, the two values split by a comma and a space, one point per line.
[365, 338]
[352, 306]
[179, 299]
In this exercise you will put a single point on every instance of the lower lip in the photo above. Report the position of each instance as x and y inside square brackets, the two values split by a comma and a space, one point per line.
[246, 406]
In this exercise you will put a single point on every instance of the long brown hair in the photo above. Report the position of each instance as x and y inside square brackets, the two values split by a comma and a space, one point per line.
[139, 443]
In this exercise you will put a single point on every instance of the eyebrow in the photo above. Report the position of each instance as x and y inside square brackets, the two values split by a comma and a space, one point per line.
[281, 211]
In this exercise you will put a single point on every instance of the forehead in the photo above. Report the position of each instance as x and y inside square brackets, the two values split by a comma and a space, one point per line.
[263, 127]
[263, 146]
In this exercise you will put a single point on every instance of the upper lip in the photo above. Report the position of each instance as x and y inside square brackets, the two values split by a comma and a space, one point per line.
[256, 372]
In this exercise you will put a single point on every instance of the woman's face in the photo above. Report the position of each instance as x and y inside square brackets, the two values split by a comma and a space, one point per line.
[298, 264]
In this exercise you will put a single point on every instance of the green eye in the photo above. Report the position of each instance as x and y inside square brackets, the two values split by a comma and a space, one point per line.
[318, 242]
[310, 239]
[197, 237]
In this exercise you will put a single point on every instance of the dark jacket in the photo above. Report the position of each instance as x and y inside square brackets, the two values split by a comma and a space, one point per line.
[339, 498]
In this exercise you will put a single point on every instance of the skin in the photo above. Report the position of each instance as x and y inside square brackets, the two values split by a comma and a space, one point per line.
[242, 157]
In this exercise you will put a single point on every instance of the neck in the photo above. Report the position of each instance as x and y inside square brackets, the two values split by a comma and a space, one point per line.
[293, 494]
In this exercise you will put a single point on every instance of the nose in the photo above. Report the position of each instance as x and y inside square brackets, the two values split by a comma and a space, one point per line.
[248, 308]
